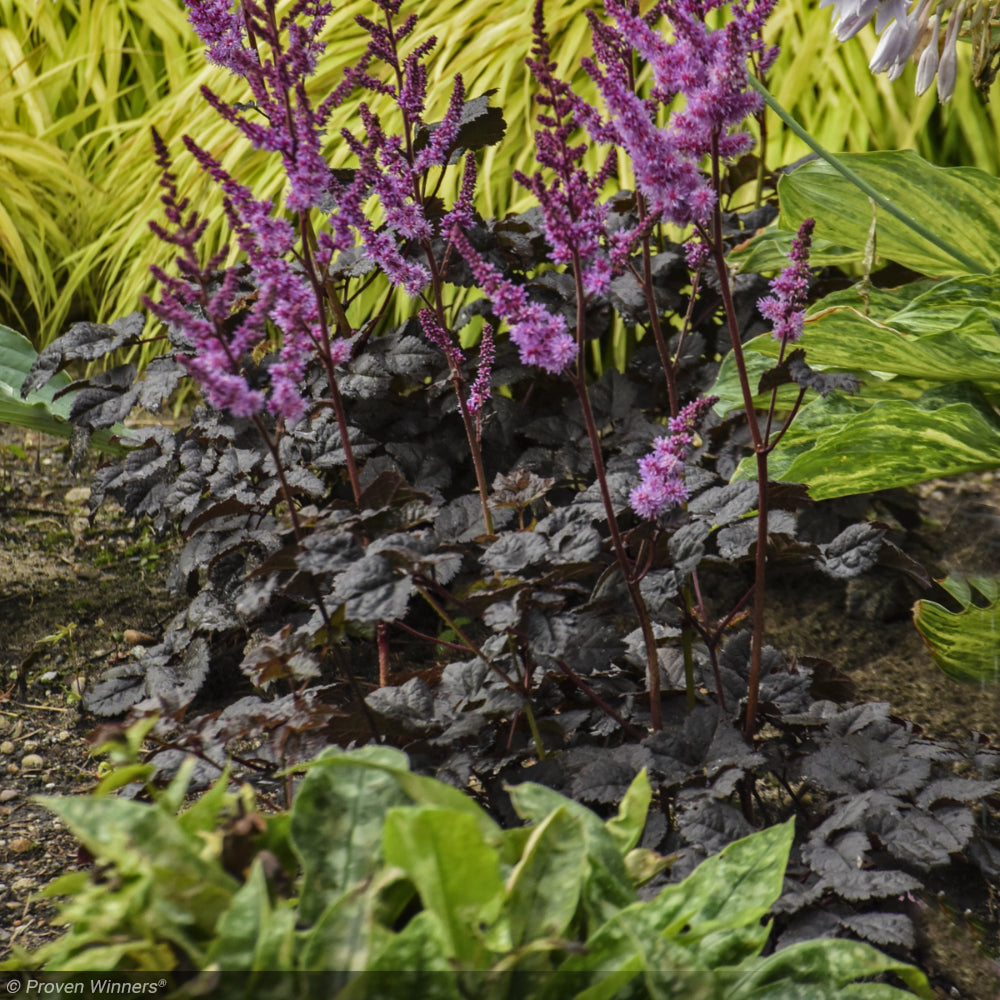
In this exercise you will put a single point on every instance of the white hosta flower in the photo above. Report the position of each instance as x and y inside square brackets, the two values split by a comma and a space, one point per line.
[895, 47]
[948, 66]
[928, 65]
[850, 16]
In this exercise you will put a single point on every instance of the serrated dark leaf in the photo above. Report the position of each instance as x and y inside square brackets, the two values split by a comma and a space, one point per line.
[159, 382]
[658, 588]
[723, 505]
[514, 550]
[955, 790]
[687, 547]
[372, 591]
[606, 776]
[117, 691]
[883, 929]
[210, 613]
[853, 551]
[479, 126]
[82, 342]
[411, 703]
[711, 825]
[106, 399]
[794, 369]
[177, 671]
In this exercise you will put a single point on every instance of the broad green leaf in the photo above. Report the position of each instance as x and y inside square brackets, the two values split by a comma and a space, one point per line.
[825, 962]
[455, 871]
[628, 825]
[141, 840]
[953, 202]
[730, 890]
[253, 935]
[337, 819]
[342, 937]
[609, 885]
[418, 788]
[413, 965]
[964, 644]
[543, 891]
[769, 250]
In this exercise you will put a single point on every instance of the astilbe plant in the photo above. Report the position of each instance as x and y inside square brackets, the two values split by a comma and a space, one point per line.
[291, 298]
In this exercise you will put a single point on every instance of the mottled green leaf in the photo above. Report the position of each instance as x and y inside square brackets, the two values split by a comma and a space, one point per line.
[253, 935]
[337, 823]
[965, 644]
[826, 963]
[455, 871]
[628, 825]
[543, 890]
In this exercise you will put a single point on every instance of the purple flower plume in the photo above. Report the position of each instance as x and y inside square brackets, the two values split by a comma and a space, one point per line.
[785, 307]
[541, 337]
[481, 388]
[661, 472]
[707, 66]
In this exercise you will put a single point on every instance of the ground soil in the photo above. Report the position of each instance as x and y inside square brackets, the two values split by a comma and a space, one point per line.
[75, 593]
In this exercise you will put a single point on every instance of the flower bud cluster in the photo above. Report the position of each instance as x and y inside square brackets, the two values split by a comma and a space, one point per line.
[662, 470]
[785, 307]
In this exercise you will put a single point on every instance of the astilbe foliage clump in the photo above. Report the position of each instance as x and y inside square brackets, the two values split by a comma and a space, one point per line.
[558, 598]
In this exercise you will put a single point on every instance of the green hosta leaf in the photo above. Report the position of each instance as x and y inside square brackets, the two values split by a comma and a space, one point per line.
[953, 202]
[455, 871]
[769, 251]
[543, 891]
[337, 823]
[40, 411]
[966, 644]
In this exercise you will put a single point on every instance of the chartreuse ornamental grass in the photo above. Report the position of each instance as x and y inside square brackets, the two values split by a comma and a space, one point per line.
[396, 883]
[81, 84]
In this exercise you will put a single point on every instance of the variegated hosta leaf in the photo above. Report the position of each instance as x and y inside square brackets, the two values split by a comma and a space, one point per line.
[964, 644]
[955, 203]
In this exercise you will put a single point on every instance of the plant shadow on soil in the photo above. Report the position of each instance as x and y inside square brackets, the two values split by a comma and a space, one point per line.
[83, 586]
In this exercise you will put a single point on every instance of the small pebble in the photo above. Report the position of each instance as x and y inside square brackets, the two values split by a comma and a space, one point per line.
[78, 685]
[13, 769]
[32, 762]
[7, 748]
[49, 675]
[4, 723]
[20, 884]
[30, 746]
[63, 735]
[20, 845]
[79, 494]
[8, 794]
